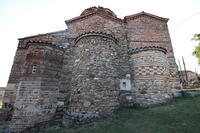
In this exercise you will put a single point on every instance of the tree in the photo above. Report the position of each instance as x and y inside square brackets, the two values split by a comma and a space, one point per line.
[196, 52]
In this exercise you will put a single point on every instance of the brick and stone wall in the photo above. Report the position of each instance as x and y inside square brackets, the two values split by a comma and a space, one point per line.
[150, 68]
[104, 24]
[147, 30]
[14, 78]
[95, 83]
[38, 90]
[2, 91]
[59, 37]
[99, 63]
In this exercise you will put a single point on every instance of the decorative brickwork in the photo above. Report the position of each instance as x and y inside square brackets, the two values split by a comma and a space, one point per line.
[151, 74]
[98, 64]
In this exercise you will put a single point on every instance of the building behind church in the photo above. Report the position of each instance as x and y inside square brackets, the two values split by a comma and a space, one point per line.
[98, 64]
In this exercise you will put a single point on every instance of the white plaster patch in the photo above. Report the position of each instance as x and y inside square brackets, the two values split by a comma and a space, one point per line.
[96, 78]
[129, 97]
[60, 103]
[77, 60]
[125, 84]
[128, 76]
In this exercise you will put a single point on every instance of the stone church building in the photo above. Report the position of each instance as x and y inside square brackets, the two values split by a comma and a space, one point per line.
[98, 64]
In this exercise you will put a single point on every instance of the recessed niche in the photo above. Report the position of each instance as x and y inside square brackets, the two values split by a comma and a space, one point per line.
[91, 75]
[143, 92]
[124, 84]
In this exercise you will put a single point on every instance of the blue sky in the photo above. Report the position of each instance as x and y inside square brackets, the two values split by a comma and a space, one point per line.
[20, 18]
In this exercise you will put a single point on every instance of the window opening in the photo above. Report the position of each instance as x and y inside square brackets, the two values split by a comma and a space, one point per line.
[34, 68]
[124, 84]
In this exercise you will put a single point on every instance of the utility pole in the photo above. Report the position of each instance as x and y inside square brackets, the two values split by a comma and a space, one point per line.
[186, 76]
[180, 72]
[196, 73]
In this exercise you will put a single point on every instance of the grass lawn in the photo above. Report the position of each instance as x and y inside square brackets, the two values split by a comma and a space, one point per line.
[178, 116]
[192, 89]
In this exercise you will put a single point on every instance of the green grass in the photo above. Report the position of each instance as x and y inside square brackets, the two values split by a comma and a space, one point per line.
[192, 89]
[178, 116]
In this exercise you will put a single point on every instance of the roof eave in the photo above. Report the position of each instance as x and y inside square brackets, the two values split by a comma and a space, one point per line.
[77, 18]
[28, 37]
[126, 18]
[81, 17]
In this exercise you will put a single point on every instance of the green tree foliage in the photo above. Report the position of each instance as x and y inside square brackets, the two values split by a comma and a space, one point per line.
[196, 52]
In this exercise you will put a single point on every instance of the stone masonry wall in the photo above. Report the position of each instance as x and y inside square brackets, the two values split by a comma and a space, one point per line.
[100, 24]
[95, 83]
[59, 37]
[14, 78]
[91, 68]
[147, 31]
[2, 90]
[36, 99]
[151, 74]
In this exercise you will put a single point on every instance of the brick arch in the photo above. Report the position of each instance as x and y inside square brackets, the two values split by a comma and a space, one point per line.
[99, 34]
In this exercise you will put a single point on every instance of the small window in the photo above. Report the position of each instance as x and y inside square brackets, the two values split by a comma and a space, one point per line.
[124, 84]
[34, 68]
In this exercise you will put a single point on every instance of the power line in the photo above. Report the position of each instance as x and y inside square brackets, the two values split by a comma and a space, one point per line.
[188, 18]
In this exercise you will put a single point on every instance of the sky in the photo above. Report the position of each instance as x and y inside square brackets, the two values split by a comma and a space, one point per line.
[21, 18]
